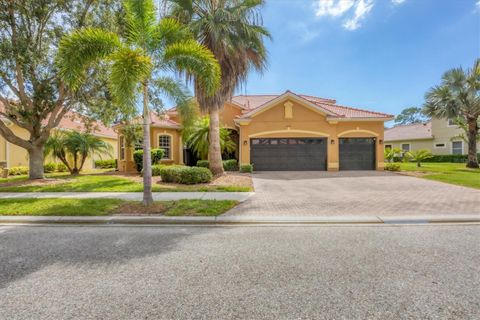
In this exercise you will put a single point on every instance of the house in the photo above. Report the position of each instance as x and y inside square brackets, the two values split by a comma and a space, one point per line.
[440, 136]
[283, 132]
[16, 156]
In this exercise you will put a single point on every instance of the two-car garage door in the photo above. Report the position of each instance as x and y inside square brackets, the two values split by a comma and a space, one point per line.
[301, 154]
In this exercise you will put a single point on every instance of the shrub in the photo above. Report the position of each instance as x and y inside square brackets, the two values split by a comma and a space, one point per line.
[458, 158]
[17, 171]
[185, 175]
[61, 167]
[49, 167]
[246, 168]
[156, 154]
[230, 165]
[156, 169]
[392, 167]
[106, 164]
[203, 163]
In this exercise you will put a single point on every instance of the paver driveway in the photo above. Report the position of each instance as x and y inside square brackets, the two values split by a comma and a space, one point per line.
[354, 193]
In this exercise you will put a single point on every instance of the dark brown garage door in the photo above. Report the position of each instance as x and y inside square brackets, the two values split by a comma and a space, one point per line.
[288, 154]
[357, 153]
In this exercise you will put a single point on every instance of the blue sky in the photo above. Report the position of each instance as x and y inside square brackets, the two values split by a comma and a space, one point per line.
[376, 54]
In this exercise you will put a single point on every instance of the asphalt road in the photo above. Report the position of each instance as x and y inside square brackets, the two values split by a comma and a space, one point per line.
[328, 272]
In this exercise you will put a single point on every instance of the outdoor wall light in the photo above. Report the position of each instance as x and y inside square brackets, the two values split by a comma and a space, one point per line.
[245, 142]
[332, 141]
[380, 141]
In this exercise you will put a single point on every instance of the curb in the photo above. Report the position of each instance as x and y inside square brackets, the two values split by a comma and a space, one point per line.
[228, 220]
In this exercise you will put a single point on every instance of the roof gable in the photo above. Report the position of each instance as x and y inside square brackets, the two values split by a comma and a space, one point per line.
[416, 131]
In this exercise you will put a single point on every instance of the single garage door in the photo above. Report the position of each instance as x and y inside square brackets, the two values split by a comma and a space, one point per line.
[357, 153]
[288, 154]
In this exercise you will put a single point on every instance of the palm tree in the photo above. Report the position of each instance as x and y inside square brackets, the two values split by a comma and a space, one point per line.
[418, 155]
[458, 96]
[139, 64]
[73, 148]
[197, 138]
[233, 31]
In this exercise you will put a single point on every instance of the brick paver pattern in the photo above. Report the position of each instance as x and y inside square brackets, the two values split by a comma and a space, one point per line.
[354, 193]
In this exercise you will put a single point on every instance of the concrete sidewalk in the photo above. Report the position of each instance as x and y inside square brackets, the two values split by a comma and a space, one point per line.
[239, 220]
[133, 196]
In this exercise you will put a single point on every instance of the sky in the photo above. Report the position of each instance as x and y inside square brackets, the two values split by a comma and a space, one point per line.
[381, 55]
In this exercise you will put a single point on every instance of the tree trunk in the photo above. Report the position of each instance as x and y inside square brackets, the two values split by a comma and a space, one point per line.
[472, 161]
[35, 162]
[147, 161]
[214, 150]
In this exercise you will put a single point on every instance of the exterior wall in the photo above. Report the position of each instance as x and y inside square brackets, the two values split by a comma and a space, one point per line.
[414, 144]
[228, 114]
[176, 147]
[307, 123]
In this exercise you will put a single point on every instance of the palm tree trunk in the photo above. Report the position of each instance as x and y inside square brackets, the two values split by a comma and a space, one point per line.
[214, 150]
[147, 161]
[472, 161]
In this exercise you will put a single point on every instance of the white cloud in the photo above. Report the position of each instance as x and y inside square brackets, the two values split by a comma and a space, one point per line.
[362, 8]
[478, 4]
[398, 2]
[332, 8]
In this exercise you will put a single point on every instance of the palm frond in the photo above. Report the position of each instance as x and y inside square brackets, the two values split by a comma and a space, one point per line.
[140, 20]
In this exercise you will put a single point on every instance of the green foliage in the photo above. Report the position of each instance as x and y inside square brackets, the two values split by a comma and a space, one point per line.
[156, 170]
[17, 171]
[198, 138]
[203, 163]
[73, 148]
[391, 154]
[418, 155]
[411, 115]
[392, 167]
[155, 154]
[61, 167]
[49, 167]
[106, 164]
[246, 168]
[230, 165]
[132, 133]
[185, 175]
[454, 158]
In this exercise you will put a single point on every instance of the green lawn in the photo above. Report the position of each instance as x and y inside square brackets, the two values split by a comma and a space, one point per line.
[104, 183]
[454, 173]
[103, 207]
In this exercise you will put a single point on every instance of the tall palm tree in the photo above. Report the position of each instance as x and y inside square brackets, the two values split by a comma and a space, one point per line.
[233, 31]
[458, 96]
[73, 148]
[139, 64]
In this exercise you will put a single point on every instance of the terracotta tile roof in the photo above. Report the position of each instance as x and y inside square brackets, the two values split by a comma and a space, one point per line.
[163, 121]
[415, 131]
[74, 121]
[251, 102]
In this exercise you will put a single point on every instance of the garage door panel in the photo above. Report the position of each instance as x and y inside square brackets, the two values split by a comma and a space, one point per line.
[282, 154]
[357, 153]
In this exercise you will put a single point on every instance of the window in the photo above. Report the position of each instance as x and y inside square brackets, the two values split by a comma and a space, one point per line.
[457, 147]
[164, 142]
[122, 148]
[405, 147]
[388, 146]
[451, 122]
[440, 145]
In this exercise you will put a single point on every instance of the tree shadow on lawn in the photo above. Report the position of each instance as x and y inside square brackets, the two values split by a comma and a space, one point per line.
[26, 250]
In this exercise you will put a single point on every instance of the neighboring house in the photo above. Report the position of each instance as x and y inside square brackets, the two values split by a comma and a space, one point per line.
[283, 132]
[16, 156]
[440, 136]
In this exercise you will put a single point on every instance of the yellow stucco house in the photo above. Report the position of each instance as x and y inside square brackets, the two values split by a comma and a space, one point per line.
[16, 156]
[283, 132]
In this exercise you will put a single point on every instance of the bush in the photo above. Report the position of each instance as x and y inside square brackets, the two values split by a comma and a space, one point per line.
[246, 168]
[156, 154]
[156, 170]
[203, 164]
[185, 175]
[61, 167]
[17, 171]
[106, 164]
[458, 158]
[392, 167]
[230, 165]
[49, 167]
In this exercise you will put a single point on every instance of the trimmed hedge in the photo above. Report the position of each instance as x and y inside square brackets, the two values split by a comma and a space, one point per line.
[458, 158]
[246, 168]
[392, 167]
[61, 167]
[17, 171]
[228, 165]
[106, 164]
[49, 167]
[156, 170]
[185, 175]
[156, 154]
